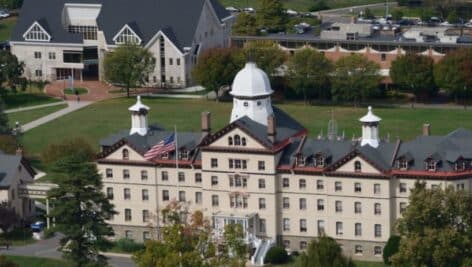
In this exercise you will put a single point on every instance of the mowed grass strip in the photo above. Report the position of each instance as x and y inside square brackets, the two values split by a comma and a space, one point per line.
[24, 117]
[6, 28]
[108, 117]
[21, 100]
[24, 261]
[299, 5]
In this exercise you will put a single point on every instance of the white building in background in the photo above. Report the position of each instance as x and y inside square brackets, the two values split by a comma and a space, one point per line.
[262, 170]
[58, 38]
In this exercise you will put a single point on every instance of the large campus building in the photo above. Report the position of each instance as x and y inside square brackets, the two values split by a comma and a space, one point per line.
[264, 171]
[60, 38]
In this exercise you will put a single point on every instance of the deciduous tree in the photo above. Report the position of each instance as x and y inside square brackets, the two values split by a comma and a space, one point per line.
[245, 24]
[129, 66]
[4, 126]
[266, 54]
[354, 78]
[309, 73]
[436, 228]
[414, 73]
[271, 16]
[217, 67]
[57, 151]
[80, 210]
[233, 236]
[10, 69]
[324, 252]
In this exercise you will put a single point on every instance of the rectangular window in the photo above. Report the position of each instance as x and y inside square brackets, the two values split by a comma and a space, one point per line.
[377, 251]
[125, 174]
[215, 202]
[302, 183]
[214, 180]
[339, 228]
[262, 226]
[198, 197]
[378, 230]
[285, 183]
[145, 194]
[244, 164]
[303, 245]
[357, 187]
[383, 57]
[286, 203]
[376, 188]
[377, 209]
[231, 163]
[38, 73]
[402, 187]
[146, 236]
[303, 225]
[165, 195]
[164, 176]
[214, 163]
[338, 186]
[321, 227]
[128, 234]
[182, 196]
[261, 165]
[109, 173]
[358, 229]
[358, 249]
[339, 206]
[181, 177]
[262, 203]
[144, 175]
[262, 183]
[319, 184]
[37, 55]
[178, 61]
[127, 215]
[145, 216]
[320, 204]
[171, 61]
[127, 194]
[286, 224]
[302, 203]
[237, 163]
[286, 244]
[52, 55]
[198, 177]
[109, 192]
[402, 207]
[357, 207]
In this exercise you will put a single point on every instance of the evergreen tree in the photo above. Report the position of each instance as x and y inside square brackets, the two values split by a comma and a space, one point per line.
[271, 16]
[4, 126]
[80, 210]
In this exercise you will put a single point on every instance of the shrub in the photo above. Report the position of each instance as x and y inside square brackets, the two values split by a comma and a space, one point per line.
[276, 255]
[391, 248]
[128, 245]
[48, 233]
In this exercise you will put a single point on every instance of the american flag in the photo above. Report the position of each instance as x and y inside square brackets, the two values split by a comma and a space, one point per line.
[166, 145]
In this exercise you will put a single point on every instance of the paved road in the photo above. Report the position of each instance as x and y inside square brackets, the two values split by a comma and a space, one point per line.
[48, 249]
[72, 106]
[356, 9]
[34, 107]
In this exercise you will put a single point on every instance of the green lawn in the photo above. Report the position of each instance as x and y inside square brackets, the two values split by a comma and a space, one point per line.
[6, 27]
[107, 117]
[24, 261]
[24, 117]
[299, 5]
[80, 91]
[293, 263]
[19, 236]
[26, 100]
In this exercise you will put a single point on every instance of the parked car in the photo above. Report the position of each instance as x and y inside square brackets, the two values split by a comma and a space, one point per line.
[291, 12]
[4, 14]
[232, 9]
[249, 10]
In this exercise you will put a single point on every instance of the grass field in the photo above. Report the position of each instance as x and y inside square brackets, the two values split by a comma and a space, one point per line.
[26, 100]
[24, 261]
[6, 27]
[104, 118]
[299, 5]
[24, 117]
[80, 91]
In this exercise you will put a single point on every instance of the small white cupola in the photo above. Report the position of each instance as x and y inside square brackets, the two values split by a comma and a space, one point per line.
[370, 129]
[139, 123]
[251, 92]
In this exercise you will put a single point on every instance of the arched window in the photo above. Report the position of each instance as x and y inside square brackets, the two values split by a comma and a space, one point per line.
[125, 153]
[243, 141]
[357, 166]
[237, 140]
[230, 141]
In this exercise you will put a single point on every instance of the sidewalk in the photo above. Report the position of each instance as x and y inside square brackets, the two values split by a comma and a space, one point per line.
[72, 106]
[35, 107]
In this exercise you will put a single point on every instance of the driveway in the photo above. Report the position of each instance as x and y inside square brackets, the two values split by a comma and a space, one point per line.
[96, 90]
[48, 249]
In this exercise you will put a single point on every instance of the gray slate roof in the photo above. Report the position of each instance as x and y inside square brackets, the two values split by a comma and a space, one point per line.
[8, 167]
[177, 18]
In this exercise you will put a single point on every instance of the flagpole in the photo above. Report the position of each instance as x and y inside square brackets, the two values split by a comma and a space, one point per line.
[177, 160]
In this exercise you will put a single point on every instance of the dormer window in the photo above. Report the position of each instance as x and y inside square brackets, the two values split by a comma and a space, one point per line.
[127, 36]
[184, 154]
[300, 160]
[402, 164]
[320, 161]
[357, 166]
[165, 155]
[37, 33]
[460, 165]
[431, 165]
[125, 154]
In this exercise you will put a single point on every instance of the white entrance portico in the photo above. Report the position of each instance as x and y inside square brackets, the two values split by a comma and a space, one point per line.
[247, 221]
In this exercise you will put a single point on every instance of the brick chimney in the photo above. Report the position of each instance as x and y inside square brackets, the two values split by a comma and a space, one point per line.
[206, 120]
[271, 128]
[426, 129]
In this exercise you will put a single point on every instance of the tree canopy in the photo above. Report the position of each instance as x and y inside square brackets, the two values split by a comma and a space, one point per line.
[129, 66]
[9, 217]
[354, 78]
[57, 151]
[309, 72]
[414, 73]
[10, 69]
[4, 126]
[245, 24]
[217, 67]
[324, 252]
[271, 16]
[80, 210]
[454, 73]
[266, 54]
[436, 228]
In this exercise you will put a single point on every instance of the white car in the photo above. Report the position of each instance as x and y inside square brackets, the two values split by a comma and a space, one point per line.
[291, 12]
[249, 10]
[4, 14]
[232, 9]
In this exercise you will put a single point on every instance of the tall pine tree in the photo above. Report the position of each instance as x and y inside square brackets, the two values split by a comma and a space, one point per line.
[81, 209]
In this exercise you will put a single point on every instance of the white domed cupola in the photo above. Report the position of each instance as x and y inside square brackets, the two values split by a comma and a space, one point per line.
[370, 129]
[251, 91]
[139, 123]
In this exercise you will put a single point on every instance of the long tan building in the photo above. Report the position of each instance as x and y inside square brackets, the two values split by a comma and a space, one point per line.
[262, 170]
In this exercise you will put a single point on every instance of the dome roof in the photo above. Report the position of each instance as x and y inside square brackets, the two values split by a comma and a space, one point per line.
[139, 105]
[370, 116]
[251, 82]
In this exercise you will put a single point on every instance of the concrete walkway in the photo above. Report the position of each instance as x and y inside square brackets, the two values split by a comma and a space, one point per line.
[35, 107]
[72, 106]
